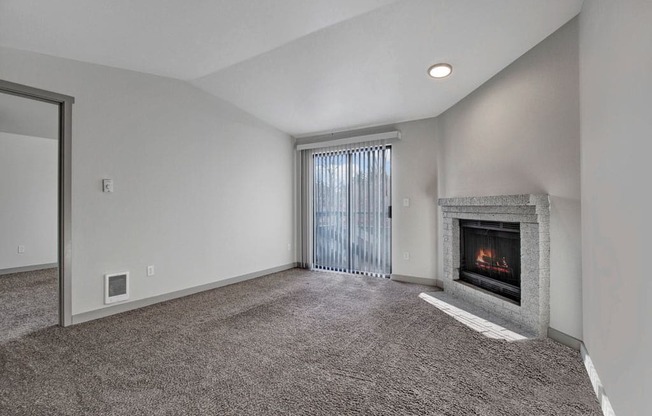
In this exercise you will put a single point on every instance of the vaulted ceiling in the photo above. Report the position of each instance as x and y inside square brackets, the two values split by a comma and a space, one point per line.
[303, 66]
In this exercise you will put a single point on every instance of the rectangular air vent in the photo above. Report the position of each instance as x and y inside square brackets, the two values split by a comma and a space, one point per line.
[116, 287]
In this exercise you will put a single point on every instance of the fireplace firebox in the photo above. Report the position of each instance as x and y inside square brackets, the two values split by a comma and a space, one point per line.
[490, 257]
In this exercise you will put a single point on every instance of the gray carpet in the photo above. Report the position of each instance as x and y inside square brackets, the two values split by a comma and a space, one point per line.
[28, 302]
[295, 342]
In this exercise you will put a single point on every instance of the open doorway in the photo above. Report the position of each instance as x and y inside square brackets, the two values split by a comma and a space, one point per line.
[35, 244]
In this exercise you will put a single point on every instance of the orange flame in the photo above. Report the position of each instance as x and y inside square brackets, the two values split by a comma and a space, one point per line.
[484, 253]
[486, 260]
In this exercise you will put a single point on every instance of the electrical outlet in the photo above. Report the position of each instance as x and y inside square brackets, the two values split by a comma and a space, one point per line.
[289, 246]
[21, 249]
[150, 270]
[406, 255]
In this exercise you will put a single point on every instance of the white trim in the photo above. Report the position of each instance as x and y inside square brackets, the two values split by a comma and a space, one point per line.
[141, 303]
[391, 135]
[598, 388]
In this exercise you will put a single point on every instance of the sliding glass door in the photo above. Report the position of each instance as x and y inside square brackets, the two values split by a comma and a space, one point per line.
[352, 212]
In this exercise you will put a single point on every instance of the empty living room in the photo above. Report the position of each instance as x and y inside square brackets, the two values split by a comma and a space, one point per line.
[325, 207]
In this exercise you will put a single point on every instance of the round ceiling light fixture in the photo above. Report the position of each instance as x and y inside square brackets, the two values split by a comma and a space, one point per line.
[440, 70]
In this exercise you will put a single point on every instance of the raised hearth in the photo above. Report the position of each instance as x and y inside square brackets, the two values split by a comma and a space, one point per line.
[497, 256]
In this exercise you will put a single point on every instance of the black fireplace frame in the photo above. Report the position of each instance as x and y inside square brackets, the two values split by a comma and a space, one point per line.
[497, 287]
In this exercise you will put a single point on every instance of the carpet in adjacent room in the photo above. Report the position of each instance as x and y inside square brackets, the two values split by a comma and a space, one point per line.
[28, 302]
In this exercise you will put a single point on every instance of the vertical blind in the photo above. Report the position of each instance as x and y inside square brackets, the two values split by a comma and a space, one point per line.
[351, 212]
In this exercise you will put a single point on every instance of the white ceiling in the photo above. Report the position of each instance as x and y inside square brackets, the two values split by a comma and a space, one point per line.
[303, 66]
[182, 39]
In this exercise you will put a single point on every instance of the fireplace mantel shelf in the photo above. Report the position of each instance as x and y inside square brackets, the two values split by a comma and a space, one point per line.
[499, 200]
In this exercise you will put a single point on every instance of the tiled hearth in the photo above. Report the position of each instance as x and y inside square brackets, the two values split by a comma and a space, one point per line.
[532, 212]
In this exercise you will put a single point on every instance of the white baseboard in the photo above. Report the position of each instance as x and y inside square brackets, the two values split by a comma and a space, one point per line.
[413, 279]
[28, 268]
[141, 303]
[605, 404]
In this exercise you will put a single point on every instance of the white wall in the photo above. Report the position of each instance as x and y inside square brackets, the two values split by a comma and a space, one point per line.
[414, 176]
[517, 134]
[203, 191]
[28, 200]
[616, 124]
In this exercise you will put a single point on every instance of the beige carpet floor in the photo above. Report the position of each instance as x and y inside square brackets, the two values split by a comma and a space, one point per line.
[296, 342]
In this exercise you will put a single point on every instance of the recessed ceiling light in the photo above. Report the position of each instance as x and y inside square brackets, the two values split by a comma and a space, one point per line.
[440, 70]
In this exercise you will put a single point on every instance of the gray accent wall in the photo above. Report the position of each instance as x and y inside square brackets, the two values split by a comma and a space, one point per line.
[203, 191]
[519, 134]
[616, 124]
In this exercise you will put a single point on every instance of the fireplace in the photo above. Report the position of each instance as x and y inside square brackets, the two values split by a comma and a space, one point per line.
[490, 257]
[509, 279]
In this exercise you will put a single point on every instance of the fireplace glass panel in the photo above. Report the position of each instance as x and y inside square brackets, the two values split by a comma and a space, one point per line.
[491, 256]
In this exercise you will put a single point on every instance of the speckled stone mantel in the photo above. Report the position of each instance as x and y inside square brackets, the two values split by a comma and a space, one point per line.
[533, 214]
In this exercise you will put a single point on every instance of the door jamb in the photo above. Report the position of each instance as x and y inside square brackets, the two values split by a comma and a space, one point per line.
[64, 102]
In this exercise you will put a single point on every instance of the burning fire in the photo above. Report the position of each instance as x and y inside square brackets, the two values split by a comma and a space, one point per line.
[486, 260]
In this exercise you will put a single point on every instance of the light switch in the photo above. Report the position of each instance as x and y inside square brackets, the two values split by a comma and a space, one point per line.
[107, 185]
[406, 202]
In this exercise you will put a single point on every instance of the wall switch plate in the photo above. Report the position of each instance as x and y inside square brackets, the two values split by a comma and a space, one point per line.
[289, 246]
[406, 202]
[107, 185]
[406, 255]
[150, 270]
[21, 249]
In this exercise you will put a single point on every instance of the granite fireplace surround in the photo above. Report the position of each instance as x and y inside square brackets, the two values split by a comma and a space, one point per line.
[533, 214]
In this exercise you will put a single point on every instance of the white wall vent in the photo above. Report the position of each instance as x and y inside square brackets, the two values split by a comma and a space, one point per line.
[116, 287]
